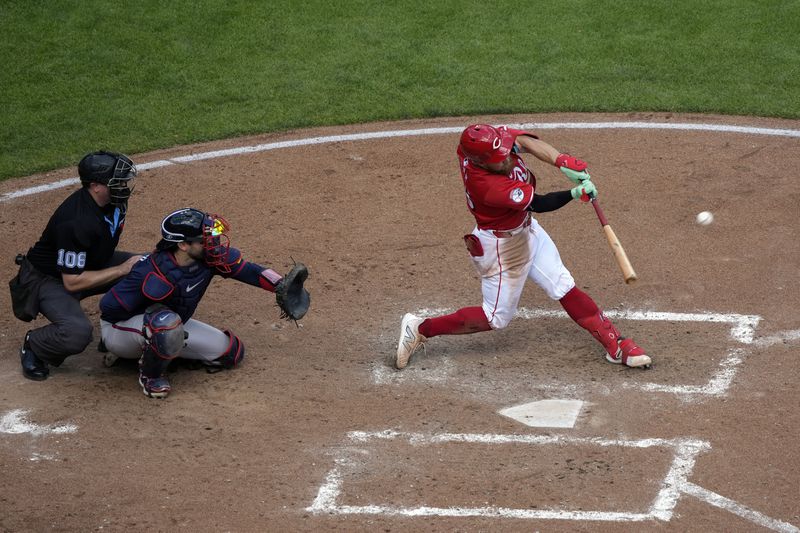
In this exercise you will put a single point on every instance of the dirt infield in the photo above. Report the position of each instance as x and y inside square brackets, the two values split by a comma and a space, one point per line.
[316, 431]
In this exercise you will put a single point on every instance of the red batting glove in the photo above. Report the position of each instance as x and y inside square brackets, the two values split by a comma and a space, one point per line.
[572, 163]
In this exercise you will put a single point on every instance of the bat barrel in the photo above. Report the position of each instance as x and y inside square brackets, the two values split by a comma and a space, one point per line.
[619, 254]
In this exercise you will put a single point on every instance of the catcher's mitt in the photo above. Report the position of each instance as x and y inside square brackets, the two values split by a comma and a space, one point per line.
[290, 295]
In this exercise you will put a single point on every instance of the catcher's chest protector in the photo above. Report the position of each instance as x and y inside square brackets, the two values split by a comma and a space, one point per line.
[190, 283]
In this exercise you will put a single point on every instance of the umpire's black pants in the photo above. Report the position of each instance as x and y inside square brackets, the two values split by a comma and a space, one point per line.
[70, 330]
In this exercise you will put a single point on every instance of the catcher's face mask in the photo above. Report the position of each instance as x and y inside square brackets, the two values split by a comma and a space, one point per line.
[216, 243]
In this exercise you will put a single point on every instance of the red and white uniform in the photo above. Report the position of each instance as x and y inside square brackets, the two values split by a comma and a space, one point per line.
[508, 246]
[496, 201]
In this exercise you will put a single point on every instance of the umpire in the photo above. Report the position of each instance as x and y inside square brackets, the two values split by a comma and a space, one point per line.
[74, 258]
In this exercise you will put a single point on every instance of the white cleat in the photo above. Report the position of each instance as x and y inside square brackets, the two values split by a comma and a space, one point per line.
[410, 339]
[629, 354]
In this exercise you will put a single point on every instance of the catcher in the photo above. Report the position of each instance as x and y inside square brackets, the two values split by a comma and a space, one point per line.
[148, 314]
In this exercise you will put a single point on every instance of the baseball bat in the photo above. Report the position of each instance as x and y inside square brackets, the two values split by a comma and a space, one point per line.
[616, 247]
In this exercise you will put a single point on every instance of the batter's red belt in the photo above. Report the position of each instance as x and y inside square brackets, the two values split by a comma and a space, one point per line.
[510, 233]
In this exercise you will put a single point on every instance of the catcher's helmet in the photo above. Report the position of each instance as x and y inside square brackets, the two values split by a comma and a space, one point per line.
[116, 171]
[486, 144]
[192, 225]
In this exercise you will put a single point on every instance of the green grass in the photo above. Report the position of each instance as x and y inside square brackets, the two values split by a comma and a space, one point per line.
[82, 75]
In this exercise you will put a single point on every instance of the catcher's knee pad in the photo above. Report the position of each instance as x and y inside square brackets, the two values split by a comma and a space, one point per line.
[163, 332]
[234, 354]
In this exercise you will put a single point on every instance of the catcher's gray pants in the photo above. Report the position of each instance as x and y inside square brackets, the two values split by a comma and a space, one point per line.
[124, 339]
[70, 330]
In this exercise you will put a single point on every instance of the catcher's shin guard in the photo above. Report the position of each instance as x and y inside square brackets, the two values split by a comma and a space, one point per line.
[232, 357]
[164, 338]
[152, 369]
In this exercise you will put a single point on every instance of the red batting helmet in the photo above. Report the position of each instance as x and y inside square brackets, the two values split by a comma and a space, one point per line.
[486, 144]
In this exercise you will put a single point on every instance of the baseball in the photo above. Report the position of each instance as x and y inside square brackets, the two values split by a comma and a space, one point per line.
[705, 218]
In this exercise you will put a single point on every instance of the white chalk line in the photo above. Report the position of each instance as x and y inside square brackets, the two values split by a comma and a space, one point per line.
[417, 132]
[782, 337]
[421, 439]
[16, 422]
[731, 506]
[662, 508]
[36, 457]
[742, 331]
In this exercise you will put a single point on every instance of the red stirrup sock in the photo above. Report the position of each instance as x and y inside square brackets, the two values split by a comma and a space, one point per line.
[463, 321]
[583, 310]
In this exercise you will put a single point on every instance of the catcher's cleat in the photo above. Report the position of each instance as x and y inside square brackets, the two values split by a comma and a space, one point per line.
[410, 339]
[109, 359]
[154, 387]
[629, 354]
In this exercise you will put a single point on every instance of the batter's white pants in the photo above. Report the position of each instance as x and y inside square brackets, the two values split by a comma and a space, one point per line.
[124, 339]
[507, 262]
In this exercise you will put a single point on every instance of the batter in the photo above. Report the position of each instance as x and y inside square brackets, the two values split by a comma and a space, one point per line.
[509, 247]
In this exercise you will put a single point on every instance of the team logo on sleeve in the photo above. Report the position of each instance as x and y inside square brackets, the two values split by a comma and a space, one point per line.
[517, 195]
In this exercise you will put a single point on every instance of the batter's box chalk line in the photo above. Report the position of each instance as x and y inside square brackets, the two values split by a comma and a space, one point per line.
[673, 485]
[742, 333]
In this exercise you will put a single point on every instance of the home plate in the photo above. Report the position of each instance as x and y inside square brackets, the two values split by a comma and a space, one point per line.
[545, 413]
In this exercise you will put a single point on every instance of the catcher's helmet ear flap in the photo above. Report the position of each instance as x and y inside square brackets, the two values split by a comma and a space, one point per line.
[116, 171]
[486, 144]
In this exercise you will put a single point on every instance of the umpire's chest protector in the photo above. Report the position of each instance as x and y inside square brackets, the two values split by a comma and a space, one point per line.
[179, 287]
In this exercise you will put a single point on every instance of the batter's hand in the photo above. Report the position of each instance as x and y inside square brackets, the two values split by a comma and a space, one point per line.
[584, 191]
[574, 168]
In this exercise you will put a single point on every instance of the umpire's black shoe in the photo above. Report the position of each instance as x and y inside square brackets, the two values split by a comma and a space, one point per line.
[32, 367]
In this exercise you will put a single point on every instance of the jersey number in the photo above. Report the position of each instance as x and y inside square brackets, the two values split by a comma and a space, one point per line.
[71, 259]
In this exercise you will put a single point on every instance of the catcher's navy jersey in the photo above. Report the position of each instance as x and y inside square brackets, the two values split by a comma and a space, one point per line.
[80, 236]
[158, 278]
